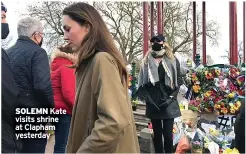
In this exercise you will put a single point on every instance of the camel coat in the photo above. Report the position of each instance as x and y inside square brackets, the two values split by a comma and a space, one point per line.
[102, 118]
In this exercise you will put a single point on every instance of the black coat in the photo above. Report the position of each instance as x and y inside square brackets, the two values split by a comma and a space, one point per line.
[239, 129]
[159, 96]
[240, 121]
[31, 70]
[10, 94]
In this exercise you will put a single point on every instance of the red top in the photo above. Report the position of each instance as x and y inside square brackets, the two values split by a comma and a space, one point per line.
[63, 84]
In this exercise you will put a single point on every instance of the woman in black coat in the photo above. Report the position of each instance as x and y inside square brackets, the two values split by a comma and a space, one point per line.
[159, 82]
[239, 129]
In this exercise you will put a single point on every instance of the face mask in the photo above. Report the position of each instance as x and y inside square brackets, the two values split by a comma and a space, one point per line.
[5, 30]
[158, 54]
[41, 42]
[157, 46]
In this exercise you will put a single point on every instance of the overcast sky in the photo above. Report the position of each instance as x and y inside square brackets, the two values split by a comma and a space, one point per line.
[216, 10]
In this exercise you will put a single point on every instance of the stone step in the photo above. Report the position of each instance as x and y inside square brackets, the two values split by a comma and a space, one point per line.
[140, 126]
[141, 106]
[140, 117]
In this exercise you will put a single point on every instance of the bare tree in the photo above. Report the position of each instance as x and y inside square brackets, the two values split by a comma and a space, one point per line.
[50, 13]
[125, 22]
[240, 53]
[209, 59]
[178, 27]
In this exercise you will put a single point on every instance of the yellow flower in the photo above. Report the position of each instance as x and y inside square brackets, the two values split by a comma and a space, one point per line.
[238, 103]
[206, 72]
[196, 88]
[235, 151]
[231, 95]
[236, 108]
[208, 94]
[231, 151]
[181, 107]
[194, 78]
[216, 106]
[232, 111]
[217, 72]
[227, 151]
[231, 104]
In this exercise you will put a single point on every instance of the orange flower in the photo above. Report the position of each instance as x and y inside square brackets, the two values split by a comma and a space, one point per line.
[217, 106]
[196, 88]
[209, 76]
[224, 110]
[194, 77]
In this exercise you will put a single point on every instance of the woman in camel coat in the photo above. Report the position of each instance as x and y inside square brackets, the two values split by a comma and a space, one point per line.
[102, 118]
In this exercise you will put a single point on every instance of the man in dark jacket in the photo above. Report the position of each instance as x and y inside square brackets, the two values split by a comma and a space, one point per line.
[10, 93]
[239, 129]
[30, 66]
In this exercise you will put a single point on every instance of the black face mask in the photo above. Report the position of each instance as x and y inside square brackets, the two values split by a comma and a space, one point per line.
[5, 30]
[41, 42]
[157, 46]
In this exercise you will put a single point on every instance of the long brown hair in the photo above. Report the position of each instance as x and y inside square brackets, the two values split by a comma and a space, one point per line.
[98, 38]
[66, 48]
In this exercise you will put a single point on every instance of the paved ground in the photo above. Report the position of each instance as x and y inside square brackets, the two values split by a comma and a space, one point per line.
[50, 144]
[51, 141]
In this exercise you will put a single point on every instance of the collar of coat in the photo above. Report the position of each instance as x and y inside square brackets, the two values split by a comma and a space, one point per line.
[59, 54]
[25, 38]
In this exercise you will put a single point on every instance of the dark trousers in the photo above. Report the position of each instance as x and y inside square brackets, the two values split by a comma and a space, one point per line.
[36, 145]
[240, 143]
[163, 128]
[61, 133]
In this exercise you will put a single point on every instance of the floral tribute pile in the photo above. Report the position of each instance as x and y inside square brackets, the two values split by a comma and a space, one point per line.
[216, 90]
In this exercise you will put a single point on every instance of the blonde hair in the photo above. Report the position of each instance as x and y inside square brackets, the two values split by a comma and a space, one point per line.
[169, 51]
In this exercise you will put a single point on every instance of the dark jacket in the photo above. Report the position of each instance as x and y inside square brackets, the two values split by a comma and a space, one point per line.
[10, 94]
[159, 96]
[31, 70]
[240, 121]
[239, 129]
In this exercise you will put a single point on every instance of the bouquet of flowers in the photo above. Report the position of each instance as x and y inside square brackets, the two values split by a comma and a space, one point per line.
[216, 90]
[194, 105]
[197, 145]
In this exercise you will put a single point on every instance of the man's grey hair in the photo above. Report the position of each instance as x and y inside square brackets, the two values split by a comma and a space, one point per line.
[28, 26]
